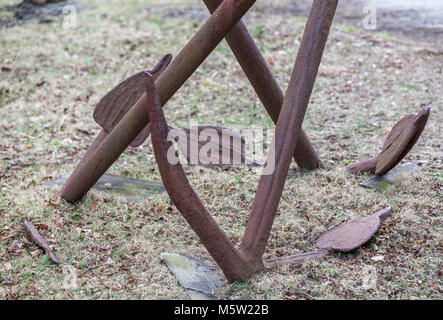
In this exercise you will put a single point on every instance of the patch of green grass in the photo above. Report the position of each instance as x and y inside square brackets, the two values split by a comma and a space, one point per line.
[409, 86]
[258, 30]
[386, 35]
[351, 29]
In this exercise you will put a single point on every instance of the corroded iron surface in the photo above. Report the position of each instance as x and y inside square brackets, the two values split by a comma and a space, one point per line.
[116, 103]
[240, 264]
[400, 140]
[352, 234]
[404, 135]
[213, 146]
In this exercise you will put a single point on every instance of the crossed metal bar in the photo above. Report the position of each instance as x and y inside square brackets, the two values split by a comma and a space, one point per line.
[224, 22]
[286, 111]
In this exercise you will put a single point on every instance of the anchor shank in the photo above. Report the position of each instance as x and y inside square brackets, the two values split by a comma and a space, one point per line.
[287, 131]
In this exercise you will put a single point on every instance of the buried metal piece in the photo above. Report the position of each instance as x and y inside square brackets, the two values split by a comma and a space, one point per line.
[295, 260]
[403, 136]
[352, 234]
[346, 237]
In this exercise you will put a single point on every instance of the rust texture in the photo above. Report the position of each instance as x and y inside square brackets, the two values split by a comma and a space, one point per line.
[352, 234]
[270, 188]
[265, 85]
[240, 264]
[106, 152]
[230, 260]
[401, 139]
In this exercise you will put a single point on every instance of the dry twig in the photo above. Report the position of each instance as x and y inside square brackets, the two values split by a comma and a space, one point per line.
[40, 240]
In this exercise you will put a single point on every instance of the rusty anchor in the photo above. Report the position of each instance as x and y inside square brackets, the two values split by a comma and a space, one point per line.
[133, 110]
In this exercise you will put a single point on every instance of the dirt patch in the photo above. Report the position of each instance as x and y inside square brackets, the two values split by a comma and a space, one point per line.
[13, 15]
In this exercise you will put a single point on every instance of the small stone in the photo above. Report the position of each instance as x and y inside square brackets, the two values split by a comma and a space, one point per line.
[198, 279]
[382, 182]
[107, 186]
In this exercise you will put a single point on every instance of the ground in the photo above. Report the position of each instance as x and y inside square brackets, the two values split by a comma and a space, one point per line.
[51, 78]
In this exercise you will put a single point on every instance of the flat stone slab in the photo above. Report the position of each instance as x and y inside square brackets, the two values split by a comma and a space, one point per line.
[382, 182]
[352, 234]
[131, 189]
[198, 279]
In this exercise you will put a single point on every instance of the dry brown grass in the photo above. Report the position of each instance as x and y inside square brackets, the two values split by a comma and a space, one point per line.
[367, 81]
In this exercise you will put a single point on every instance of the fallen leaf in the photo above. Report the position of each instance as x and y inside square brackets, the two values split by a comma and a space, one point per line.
[51, 203]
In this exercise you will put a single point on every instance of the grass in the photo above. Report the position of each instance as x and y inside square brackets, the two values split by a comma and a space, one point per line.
[51, 78]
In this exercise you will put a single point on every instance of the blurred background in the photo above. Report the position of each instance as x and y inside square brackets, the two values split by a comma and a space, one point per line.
[418, 19]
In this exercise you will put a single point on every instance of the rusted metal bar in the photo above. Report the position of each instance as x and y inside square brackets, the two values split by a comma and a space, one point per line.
[270, 188]
[180, 69]
[232, 263]
[127, 90]
[264, 83]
